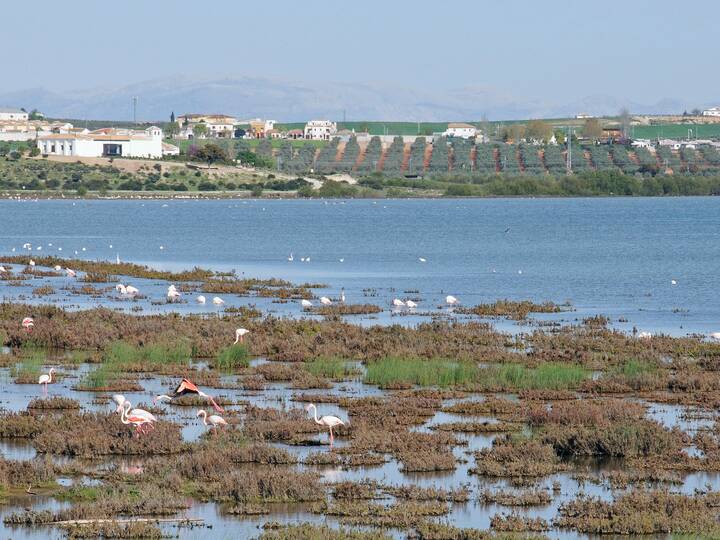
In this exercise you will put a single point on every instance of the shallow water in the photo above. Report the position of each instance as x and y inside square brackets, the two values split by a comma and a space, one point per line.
[280, 395]
[611, 256]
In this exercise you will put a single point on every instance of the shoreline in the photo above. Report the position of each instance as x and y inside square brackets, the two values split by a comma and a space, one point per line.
[292, 195]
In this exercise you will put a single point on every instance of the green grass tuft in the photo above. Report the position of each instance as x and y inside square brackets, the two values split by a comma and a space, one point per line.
[435, 372]
[550, 376]
[331, 368]
[232, 357]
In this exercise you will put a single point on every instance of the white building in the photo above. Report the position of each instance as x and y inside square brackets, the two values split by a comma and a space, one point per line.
[26, 130]
[217, 125]
[712, 111]
[642, 143]
[107, 142]
[259, 128]
[13, 114]
[461, 130]
[320, 130]
[584, 116]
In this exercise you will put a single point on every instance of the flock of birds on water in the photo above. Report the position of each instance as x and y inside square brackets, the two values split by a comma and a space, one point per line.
[144, 421]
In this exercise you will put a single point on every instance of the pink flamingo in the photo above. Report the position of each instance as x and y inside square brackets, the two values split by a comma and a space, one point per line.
[138, 417]
[28, 323]
[240, 334]
[213, 420]
[46, 378]
[327, 421]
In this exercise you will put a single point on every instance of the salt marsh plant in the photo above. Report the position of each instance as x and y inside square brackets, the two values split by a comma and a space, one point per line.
[232, 357]
[124, 356]
[332, 368]
[548, 376]
[434, 372]
[28, 369]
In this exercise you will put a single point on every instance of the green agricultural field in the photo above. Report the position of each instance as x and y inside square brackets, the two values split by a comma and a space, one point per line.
[676, 131]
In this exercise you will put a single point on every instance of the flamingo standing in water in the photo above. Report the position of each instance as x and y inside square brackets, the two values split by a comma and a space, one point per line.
[46, 378]
[397, 302]
[325, 301]
[28, 323]
[131, 291]
[715, 336]
[451, 300]
[187, 387]
[240, 334]
[2, 269]
[218, 301]
[172, 293]
[128, 416]
[200, 299]
[122, 401]
[70, 273]
[410, 304]
[306, 303]
[342, 295]
[213, 420]
[328, 421]
[57, 268]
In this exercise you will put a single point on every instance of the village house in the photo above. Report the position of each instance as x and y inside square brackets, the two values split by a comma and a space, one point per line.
[106, 142]
[712, 111]
[217, 125]
[7, 113]
[461, 130]
[295, 134]
[259, 129]
[25, 130]
[320, 130]
[642, 143]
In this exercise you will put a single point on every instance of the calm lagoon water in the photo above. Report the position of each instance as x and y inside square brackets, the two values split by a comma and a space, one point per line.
[616, 256]
[612, 256]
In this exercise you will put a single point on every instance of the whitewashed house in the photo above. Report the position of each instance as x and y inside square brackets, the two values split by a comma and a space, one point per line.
[461, 130]
[7, 113]
[712, 111]
[641, 143]
[217, 125]
[320, 130]
[106, 142]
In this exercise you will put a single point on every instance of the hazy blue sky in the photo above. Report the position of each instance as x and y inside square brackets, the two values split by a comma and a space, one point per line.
[635, 50]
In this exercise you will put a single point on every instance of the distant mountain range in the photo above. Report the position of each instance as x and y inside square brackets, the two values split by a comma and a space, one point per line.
[248, 97]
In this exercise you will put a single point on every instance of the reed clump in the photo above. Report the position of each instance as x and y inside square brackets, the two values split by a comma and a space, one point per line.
[148, 531]
[29, 369]
[511, 309]
[603, 427]
[54, 403]
[347, 309]
[643, 512]
[517, 523]
[231, 358]
[515, 456]
[546, 376]
[414, 371]
[331, 368]
[308, 531]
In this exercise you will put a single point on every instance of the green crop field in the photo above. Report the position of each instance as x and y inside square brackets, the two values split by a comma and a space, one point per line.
[676, 131]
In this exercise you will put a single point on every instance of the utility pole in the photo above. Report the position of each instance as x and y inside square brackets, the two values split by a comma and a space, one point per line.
[568, 164]
[134, 107]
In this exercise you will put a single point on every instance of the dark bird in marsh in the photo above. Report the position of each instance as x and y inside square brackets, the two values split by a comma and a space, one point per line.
[185, 387]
